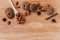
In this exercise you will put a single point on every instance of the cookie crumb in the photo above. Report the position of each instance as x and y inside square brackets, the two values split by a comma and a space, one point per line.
[18, 7]
[33, 7]
[26, 6]
[20, 18]
[4, 19]
[53, 20]
[17, 3]
[9, 22]
[48, 9]
[38, 13]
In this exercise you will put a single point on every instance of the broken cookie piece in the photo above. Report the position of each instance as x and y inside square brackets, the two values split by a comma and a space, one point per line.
[26, 6]
[48, 9]
[20, 18]
[33, 7]
[9, 12]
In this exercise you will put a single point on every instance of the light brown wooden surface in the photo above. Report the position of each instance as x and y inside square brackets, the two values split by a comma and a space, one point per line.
[35, 28]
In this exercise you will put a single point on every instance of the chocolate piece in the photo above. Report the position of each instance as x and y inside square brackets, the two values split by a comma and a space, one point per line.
[9, 22]
[53, 20]
[52, 16]
[9, 12]
[4, 19]
[38, 13]
[17, 3]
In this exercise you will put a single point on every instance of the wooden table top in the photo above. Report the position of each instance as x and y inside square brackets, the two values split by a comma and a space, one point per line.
[35, 28]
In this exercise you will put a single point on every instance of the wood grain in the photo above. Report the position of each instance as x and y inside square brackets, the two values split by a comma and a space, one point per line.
[35, 28]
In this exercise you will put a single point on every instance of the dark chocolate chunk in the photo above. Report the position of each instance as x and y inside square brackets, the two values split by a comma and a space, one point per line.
[53, 20]
[9, 12]
[4, 19]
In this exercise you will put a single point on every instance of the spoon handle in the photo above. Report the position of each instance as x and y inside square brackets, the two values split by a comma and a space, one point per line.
[13, 6]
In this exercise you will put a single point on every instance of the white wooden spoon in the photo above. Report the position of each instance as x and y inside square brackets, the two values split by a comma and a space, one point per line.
[15, 10]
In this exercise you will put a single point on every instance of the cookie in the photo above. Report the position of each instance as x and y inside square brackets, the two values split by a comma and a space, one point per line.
[9, 12]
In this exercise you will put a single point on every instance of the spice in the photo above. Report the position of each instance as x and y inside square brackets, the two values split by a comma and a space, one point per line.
[9, 22]
[53, 20]
[4, 19]
[9, 12]
[52, 16]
